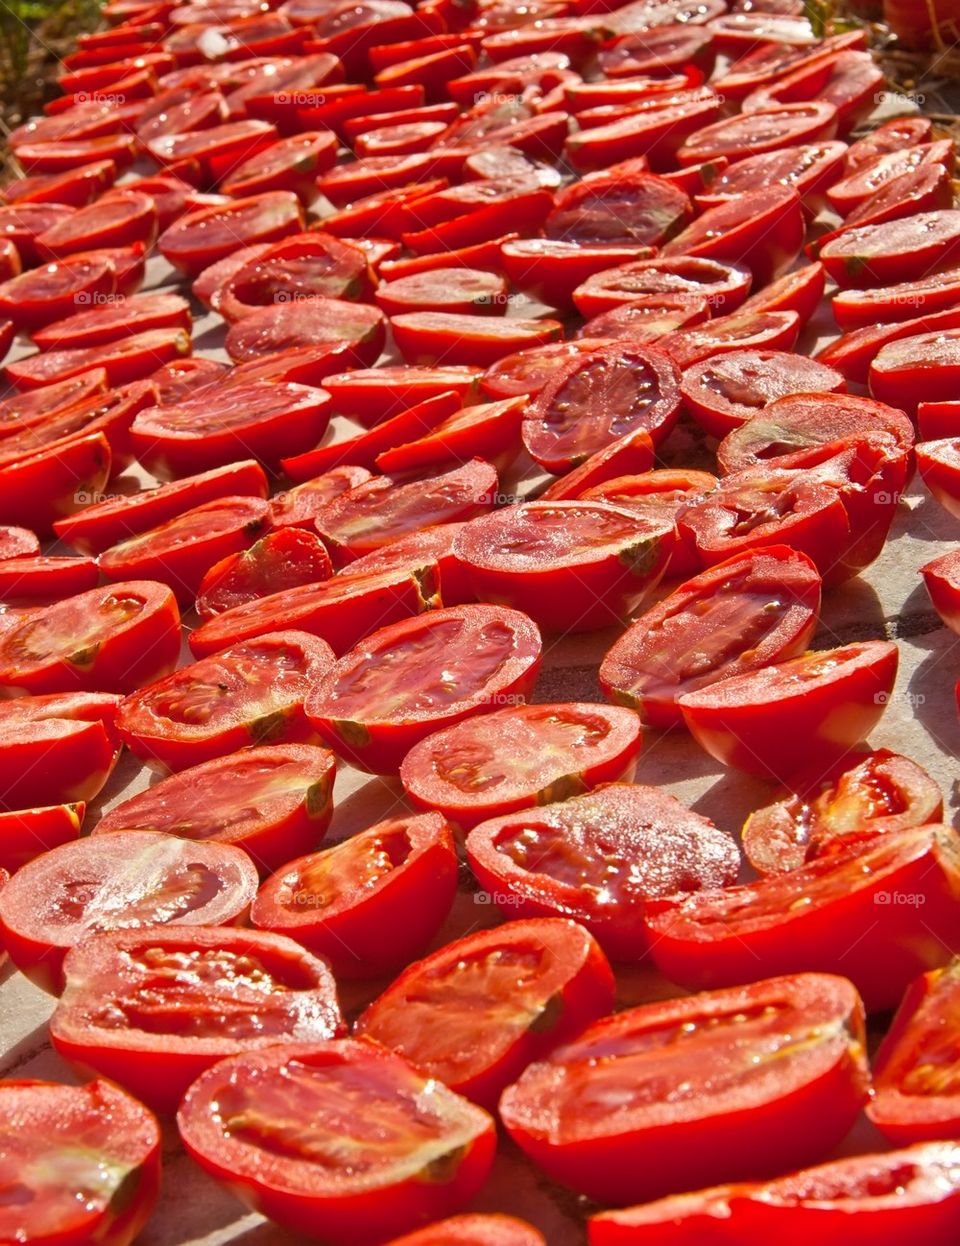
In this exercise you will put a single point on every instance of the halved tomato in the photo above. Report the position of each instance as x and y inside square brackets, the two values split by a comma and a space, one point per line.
[833, 697]
[647, 318]
[724, 285]
[859, 309]
[111, 639]
[315, 320]
[853, 353]
[152, 1009]
[251, 693]
[298, 507]
[429, 672]
[114, 221]
[923, 368]
[431, 1154]
[939, 465]
[113, 321]
[202, 237]
[880, 912]
[769, 129]
[809, 169]
[854, 191]
[942, 580]
[274, 802]
[475, 1013]
[487, 430]
[84, 1162]
[527, 372]
[621, 205]
[139, 878]
[370, 904]
[130, 359]
[902, 250]
[556, 751]
[572, 566]
[790, 1049]
[862, 796]
[459, 338]
[42, 295]
[445, 290]
[601, 859]
[284, 558]
[371, 395]
[290, 164]
[799, 290]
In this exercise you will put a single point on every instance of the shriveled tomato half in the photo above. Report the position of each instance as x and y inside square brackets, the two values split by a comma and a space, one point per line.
[180, 551]
[799, 290]
[790, 1049]
[445, 290]
[42, 295]
[833, 697]
[755, 609]
[111, 639]
[202, 237]
[647, 318]
[865, 795]
[724, 391]
[916, 1087]
[763, 229]
[130, 359]
[17, 542]
[570, 565]
[411, 678]
[115, 221]
[284, 558]
[267, 420]
[493, 1230]
[895, 251]
[601, 859]
[357, 328]
[431, 1154]
[738, 331]
[898, 1194]
[852, 192]
[251, 693]
[880, 913]
[939, 465]
[486, 430]
[83, 1161]
[371, 395]
[550, 269]
[388, 507]
[527, 372]
[724, 285]
[809, 169]
[556, 751]
[139, 878]
[26, 833]
[924, 368]
[768, 129]
[431, 337]
[908, 300]
[152, 1009]
[298, 507]
[274, 802]
[621, 205]
[370, 904]
[476, 1012]
[111, 322]
[598, 397]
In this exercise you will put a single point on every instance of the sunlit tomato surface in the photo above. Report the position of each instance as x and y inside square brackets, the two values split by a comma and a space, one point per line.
[152, 1009]
[283, 558]
[83, 1161]
[289, 1131]
[678, 1094]
[492, 1230]
[140, 878]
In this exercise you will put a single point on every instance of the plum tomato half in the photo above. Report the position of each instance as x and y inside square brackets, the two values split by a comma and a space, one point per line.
[284, 558]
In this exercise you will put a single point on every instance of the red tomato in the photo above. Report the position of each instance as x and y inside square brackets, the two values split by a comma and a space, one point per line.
[834, 697]
[426, 556]
[371, 395]
[180, 551]
[572, 566]
[853, 353]
[862, 796]
[26, 833]
[386, 508]
[111, 639]
[275, 802]
[490, 431]
[895, 251]
[924, 368]
[800, 290]
[922, 190]
[942, 580]
[203, 156]
[854, 191]
[724, 391]
[22, 223]
[527, 372]
[484, 255]
[432, 1152]
[457, 338]
[647, 318]
[108, 522]
[916, 1095]
[42, 486]
[116, 221]
[939, 464]
[719, 1046]
[657, 50]
[850, 81]
[935, 420]
[809, 169]
[17, 542]
[859, 309]
[556, 751]
[755, 609]
[489, 656]
[752, 134]
[494, 1230]
[346, 184]
[312, 321]
[251, 693]
[263, 419]
[444, 290]
[762, 229]
[476, 1012]
[876, 1199]
[892, 135]
[551, 269]
[55, 749]
[58, 1140]
[655, 128]
[599, 397]
[140, 878]
[290, 164]
[399, 876]
[152, 1009]
[298, 507]
[116, 320]
[40, 296]
[882, 912]
[206, 235]
[601, 859]
[621, 205]
[285, 558]
[130, 359]
[723, 285]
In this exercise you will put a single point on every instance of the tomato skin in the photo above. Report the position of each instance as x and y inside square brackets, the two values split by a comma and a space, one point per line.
[285, 558]
[901, 250]
[942, 580]
[551, 270]
[99, 1120]
[187, 243]
[741, 720]
[126, 317]
[492, 1230]
[26, 833]
[864, 795]
[376, 738]
[763, 229]
[160, 1059]
[799, 290]
[272, 828]
[490, 431]
[423, 1000]
[452, 338]
[651, 1146]
[179, 552]
[54, 750]
[346, 924]
[344, 1208]
[71, 891]
[637, 670]
[529, 556]
[131, 359]
[564, 767]
[854, 353]
[724, 285]
[39, 654]
[878, 1199]
[920, 368]
[165, 727]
